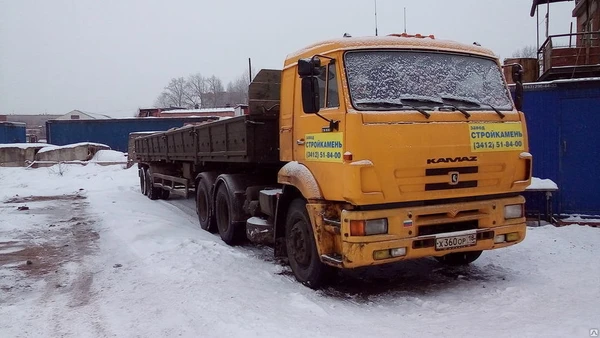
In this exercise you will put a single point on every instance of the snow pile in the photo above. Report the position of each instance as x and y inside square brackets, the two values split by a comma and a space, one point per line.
[542, 184]
[152, 272]
[109, 156]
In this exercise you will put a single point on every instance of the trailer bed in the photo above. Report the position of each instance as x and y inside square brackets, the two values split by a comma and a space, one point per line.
[242, 139]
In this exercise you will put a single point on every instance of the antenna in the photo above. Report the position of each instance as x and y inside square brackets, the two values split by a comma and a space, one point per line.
[250, 69]
[404, 19]
[375, 17]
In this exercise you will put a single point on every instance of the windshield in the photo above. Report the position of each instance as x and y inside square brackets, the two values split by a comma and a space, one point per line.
[376, 77]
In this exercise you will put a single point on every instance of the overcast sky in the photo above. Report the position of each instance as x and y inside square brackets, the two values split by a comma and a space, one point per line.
[115, 56]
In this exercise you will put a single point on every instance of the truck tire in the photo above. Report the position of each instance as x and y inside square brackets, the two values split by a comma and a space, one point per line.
[459, 258]
[231, 233]
[164, 194]
[203, 207]
[153, 193]
[142, 174]
[302, 249]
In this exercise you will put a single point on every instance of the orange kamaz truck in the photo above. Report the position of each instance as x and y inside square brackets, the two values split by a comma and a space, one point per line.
[361, 151]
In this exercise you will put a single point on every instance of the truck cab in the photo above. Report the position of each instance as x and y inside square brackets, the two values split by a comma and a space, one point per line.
[414, 145]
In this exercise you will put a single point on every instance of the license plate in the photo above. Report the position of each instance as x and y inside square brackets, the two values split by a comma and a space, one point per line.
[446, 243]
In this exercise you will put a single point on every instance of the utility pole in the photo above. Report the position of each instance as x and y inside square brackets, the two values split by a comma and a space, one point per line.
[375, 17]
[404, 19]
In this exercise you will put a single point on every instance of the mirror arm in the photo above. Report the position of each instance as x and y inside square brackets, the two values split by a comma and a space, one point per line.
[325, 57]
[333, 124]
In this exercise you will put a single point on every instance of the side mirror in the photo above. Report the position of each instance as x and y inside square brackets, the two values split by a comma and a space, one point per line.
[517, 76]
[309, 67]
[310, 95]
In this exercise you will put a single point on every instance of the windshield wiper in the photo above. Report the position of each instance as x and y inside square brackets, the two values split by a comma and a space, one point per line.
[441, 104]
[395, 104]
[475, 102]
[464, 112]
[494, 108]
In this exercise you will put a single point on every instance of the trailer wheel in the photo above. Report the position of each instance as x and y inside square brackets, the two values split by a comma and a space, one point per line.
[459, 258]
[153, 193]
[302, 249]
[142, 174]
[203, 207]
[164, 194]
[229, 231]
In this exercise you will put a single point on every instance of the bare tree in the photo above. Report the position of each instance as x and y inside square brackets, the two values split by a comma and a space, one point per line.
[526, 52]
[237, 90]
[215, 88]
[174, 94]
[198, 91]
[197, 88]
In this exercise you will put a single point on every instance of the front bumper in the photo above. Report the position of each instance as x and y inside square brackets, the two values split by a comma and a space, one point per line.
[416, 228]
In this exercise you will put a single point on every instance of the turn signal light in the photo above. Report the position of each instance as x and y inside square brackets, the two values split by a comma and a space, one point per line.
[357, 228]
[368, 227]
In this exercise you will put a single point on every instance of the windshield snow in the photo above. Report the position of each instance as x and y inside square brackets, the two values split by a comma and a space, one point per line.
[376, 77]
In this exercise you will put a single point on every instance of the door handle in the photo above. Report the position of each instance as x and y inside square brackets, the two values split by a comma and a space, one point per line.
[564, 146]
[300, 142]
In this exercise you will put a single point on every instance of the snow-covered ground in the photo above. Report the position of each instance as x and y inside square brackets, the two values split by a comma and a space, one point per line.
[105, 261]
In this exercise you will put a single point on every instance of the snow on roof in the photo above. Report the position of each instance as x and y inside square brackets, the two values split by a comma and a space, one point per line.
[74, 145]
[94, 115]
[583, 79]
[195, 111]
[10, 123]
[99, 116]
[25, 145]
[386, 42]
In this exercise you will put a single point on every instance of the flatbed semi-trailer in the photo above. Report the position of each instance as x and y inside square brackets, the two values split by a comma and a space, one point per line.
[361, 151]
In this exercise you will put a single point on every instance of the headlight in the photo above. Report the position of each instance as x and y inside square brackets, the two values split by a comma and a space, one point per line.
[513, 211]
[369, 227]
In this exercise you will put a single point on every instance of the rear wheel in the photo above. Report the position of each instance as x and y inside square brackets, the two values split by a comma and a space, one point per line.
[459, 258]
[230, 232]
[302, 249]
[153, 193]
[203, 207]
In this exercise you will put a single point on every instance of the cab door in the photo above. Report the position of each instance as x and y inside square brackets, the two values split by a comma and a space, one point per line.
[317, 145]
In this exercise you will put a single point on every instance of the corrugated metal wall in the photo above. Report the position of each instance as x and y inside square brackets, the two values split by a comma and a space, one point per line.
[12, 132]
[563, 120]
[112, 132]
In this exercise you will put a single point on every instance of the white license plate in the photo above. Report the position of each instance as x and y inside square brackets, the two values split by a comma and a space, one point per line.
[446, 243]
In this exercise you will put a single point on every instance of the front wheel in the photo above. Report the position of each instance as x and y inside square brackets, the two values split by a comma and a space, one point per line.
[459, 258]
[302, 249]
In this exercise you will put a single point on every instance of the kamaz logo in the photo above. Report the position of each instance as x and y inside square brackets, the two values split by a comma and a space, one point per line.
[452, 159]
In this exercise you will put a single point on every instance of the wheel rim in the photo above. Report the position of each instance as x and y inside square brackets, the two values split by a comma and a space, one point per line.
[299, 244]
[202, 206]
[223, 215]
